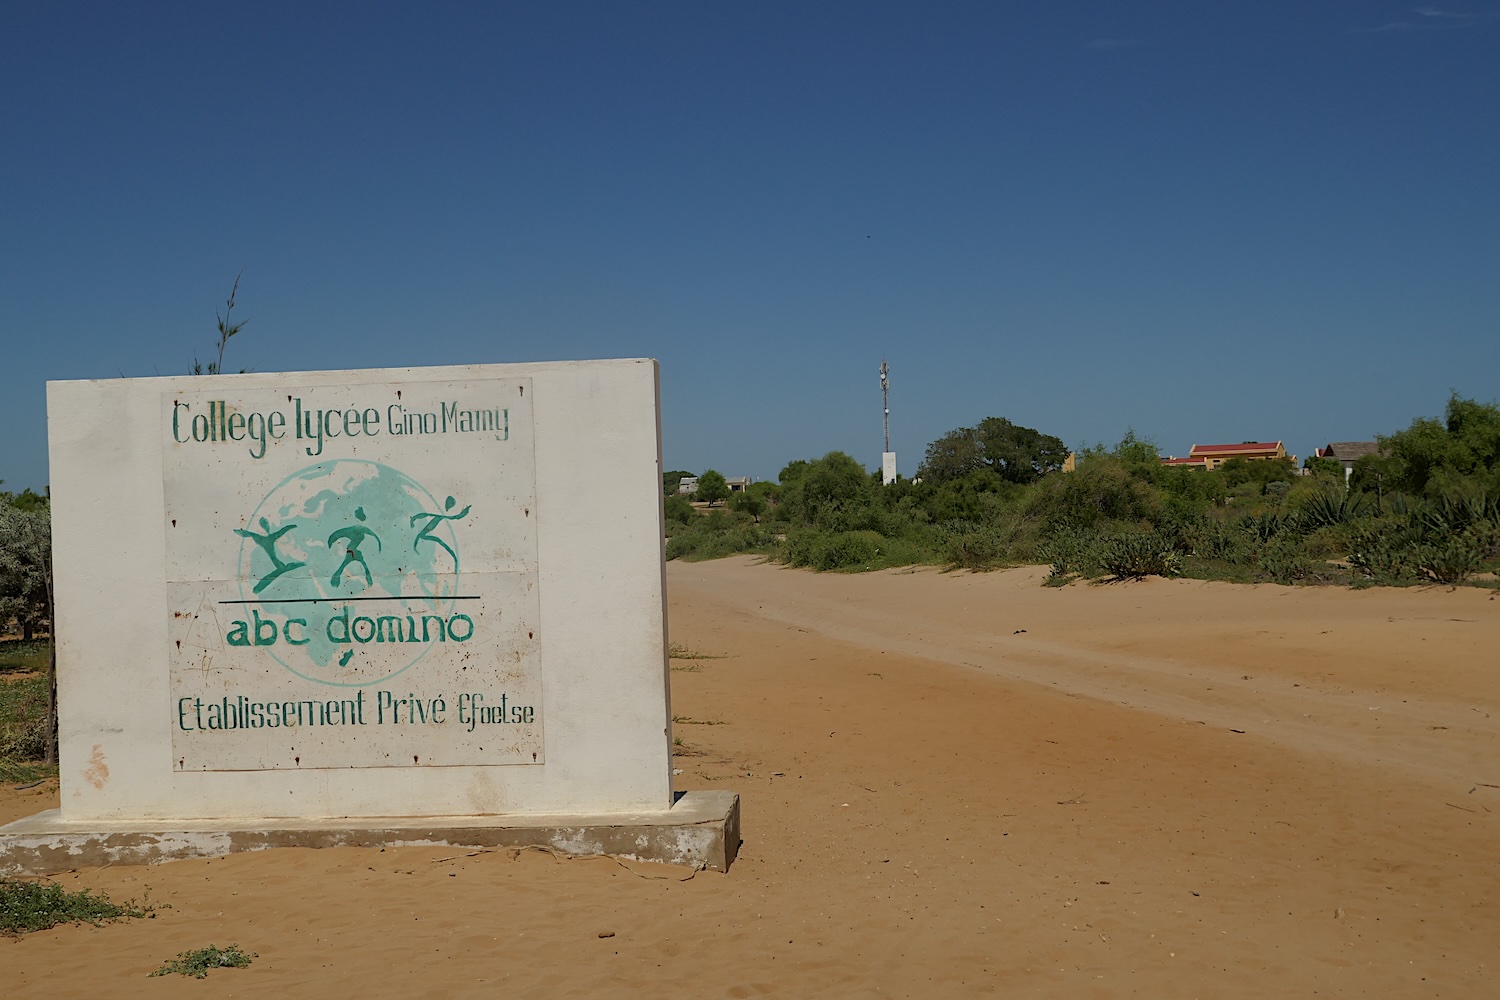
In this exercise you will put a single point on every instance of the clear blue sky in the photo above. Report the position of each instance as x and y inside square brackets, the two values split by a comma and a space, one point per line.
[1206, 222]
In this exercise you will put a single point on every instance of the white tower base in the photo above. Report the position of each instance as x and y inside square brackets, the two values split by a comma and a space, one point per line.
[888, 467]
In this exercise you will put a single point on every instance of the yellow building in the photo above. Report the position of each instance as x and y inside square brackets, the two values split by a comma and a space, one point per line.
[1211, 456]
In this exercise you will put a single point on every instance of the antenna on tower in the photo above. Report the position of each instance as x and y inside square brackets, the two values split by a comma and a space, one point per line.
[885, 399]
[887, 457]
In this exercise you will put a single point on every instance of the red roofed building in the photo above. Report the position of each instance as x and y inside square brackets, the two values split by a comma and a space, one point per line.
[1215, 455]
[1211, 456]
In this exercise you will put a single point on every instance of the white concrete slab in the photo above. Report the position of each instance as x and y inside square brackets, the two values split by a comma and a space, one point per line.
[702, 829]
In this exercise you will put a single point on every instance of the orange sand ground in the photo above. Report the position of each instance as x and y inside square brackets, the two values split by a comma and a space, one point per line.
[952, 785]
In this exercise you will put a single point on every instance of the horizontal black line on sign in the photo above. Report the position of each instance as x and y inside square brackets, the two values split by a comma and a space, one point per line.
[331, 600]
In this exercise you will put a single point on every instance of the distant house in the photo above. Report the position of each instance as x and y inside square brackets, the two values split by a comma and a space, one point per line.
[1346, 453]
[1215, 455]
[1211, 456]
[689, 485]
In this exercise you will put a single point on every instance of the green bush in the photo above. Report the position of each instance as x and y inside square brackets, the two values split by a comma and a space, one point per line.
[1381, 555]
[1331, 541]
[1285, 562]
[852, 550]
[717, 534]
[1441, 541]
[1102, 491]
[972, 497]
[979, 545]
[198, 962]
[1263, 527]
[1238, 471]
[1453, 558]
[23, 719]
[833, 493]
[37, 906]
[745, 502]
[828, 550]
[679, 509]
[1326, 507]
[1136, 554]
[1070, 553]
[1218, 541]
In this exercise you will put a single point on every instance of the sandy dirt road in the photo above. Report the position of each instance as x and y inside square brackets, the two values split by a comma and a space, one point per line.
[952, 785]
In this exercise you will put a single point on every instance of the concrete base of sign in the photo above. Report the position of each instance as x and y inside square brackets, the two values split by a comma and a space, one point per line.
[701, 829]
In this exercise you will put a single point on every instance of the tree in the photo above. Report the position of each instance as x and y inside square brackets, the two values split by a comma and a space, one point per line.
[1014, 453]
[1323, 468]
[747, 502]
[766, 491]
[1137, 451]
[712, 488]
[952, 456]
[25, 567]
[833, 493]
[26, 591]
[1458, 455]
[25, 500]
[1238, 470]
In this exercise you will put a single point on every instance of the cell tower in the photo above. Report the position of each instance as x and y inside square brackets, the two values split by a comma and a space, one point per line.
[887, 457]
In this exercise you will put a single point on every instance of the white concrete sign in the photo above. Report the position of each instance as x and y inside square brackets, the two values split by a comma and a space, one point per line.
[413, 592]
[332, 611]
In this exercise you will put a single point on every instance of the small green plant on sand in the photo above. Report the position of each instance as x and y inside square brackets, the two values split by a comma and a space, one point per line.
[198, 963]
[678, 651]
[37, 906]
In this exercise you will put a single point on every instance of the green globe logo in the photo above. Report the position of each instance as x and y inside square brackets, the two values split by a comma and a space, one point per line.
[349, 572]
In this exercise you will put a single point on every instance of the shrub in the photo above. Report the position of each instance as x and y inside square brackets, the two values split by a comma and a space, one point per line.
[1136, 554]
[1070, 553]
[23, 719]
[745, 502]
[1284, 561]
[1326, 507]
[970, 545]
[1383, 556]
[1101, 491]
[37, 906]
[1453, 558]
[1219, 542]
[198, 962]
[1331, 541]
[679, 509]
[833, 493]
[828, 550]
[718, 534]
[1265, 526]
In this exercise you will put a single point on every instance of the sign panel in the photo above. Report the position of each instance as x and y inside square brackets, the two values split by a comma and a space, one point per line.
[352, 575]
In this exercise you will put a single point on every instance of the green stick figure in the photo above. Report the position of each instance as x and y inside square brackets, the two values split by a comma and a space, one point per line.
[352, 536]
[433, 523]
[267, 543]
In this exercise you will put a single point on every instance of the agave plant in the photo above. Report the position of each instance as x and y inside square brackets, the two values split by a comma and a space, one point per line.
[1323, 509]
